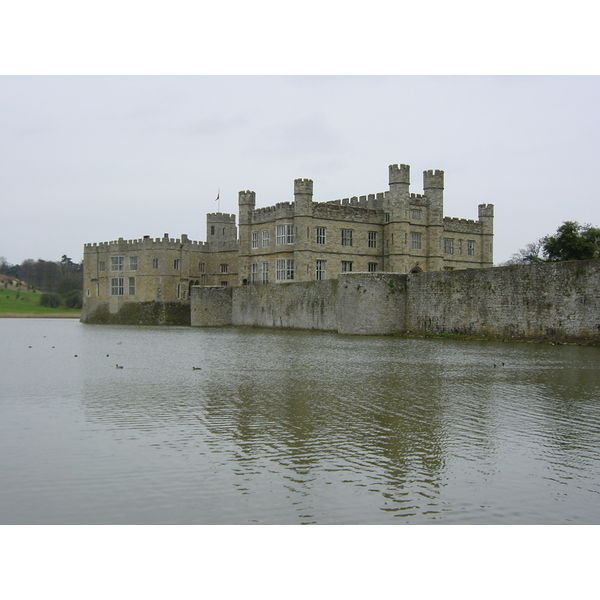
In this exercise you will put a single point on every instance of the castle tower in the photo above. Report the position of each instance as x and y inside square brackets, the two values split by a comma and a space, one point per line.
[246, 205]
[433, 185]
[486, 218]
[396, 228]
[433, 190]
[303, 193]
[220, 228]
[303, 227]
[399, 181]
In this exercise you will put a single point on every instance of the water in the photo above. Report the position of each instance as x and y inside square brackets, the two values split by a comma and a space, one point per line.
[284, 427]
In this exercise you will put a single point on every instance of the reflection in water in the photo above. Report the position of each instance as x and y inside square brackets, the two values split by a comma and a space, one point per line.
[299, 427]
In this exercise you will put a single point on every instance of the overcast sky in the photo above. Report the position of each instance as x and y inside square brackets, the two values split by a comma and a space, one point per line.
[94, 158]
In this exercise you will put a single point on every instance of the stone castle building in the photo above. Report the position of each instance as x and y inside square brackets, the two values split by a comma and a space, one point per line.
[392, 231]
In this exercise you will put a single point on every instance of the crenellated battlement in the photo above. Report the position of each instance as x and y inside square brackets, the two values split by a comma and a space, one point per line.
[219, 217]
[281, 210]
[145, 243]
[247, 197]
[456, 225]
[399, 174]
[486, 210]
[370, 201]
[420, 199]
[303, 186]
[346, 212]
[433, 179]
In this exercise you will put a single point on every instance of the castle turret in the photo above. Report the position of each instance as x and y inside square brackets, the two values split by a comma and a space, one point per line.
[433, 185]
[399, 181]
[246, 204]
[220, 229]
[396, 229]
[303, 193]
[433, 190]
[486, 218]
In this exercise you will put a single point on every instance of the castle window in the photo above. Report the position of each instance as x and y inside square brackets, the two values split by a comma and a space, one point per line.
[415, 240]
[254, 272]
[101, 266]
[97, 289]
[285, 234]
[177, 264]
[448, 246]
[224, 268]
[116, 286]
[346, 237]
[255, 239]
[87, 292]
[155, 263]
[320, 235]
[223, 283]
[372, 239]
[116, 263]
[201, 267]
[285, 269]
[448, 268]
[415, 214]
[387, 217]
[372, 267]
[346, 266]
[320, 273]
[212, 230]
[265, 238]
[471, 247]
[133, 263]
[265, 272]
[132, 286]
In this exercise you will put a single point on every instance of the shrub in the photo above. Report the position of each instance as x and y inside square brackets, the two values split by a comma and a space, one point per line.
[50, 300]
[73, 299]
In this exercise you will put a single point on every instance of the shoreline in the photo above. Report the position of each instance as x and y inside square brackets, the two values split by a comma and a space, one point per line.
[36, 316]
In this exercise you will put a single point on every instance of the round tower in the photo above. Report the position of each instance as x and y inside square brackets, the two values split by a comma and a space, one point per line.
[399, 180]
[433, 184]
[303, 193]
[486, 218]
[246, 204]
[433, 190]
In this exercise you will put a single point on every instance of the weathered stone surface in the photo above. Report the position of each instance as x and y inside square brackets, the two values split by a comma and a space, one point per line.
[559, 301]
[140, 313]
[210, 306]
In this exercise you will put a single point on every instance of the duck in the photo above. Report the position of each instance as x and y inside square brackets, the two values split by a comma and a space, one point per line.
[119, 366]
[196, 368]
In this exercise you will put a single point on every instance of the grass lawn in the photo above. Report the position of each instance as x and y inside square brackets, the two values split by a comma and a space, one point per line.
[18, 303]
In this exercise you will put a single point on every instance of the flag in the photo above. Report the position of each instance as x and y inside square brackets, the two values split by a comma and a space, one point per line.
[218, 193]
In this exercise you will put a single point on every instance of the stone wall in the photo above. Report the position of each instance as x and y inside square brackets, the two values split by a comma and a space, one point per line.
[371, 303]
[551, 300]
[210, 306]
[547, 301]
[139, 313]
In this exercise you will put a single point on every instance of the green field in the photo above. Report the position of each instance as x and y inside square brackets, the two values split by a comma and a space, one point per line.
[16, 302]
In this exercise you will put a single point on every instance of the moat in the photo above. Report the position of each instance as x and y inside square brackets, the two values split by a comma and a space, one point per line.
[241, 426]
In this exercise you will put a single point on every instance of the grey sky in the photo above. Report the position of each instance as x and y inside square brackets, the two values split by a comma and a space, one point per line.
[94, 158]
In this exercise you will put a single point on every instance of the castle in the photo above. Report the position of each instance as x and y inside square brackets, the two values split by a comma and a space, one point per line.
[392, 231]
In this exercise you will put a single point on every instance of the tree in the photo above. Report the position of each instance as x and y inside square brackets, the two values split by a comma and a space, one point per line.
[528, 255]
[572, 241]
